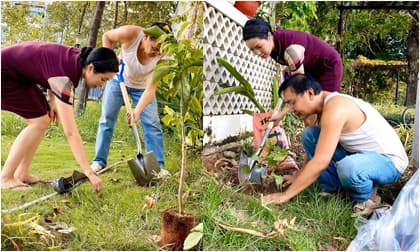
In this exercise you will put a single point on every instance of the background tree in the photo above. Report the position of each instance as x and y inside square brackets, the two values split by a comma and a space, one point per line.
[93, 36]
[379, 34]
[413, 59]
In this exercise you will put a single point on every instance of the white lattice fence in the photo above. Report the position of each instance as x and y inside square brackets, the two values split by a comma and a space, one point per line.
[223, 38]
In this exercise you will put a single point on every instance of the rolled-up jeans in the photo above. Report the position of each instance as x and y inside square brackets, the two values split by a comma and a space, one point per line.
[357, 173]
[111, 104]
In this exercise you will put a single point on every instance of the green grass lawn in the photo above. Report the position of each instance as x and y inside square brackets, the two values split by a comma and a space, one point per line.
[320, 222]
[115, 218]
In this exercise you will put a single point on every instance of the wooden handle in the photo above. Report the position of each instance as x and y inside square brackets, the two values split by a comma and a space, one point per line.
[126, 101]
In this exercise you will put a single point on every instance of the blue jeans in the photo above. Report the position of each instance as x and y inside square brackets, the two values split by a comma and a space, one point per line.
[111, 104]
[357, 173]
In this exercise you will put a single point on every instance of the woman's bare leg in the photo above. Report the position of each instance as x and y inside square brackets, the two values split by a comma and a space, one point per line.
[16, 168]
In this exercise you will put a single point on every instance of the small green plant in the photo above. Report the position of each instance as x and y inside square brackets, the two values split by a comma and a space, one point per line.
[183, 71]
[274, 155]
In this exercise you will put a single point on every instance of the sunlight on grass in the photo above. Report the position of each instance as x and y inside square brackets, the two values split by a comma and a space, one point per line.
[115, 218]
[319, 221]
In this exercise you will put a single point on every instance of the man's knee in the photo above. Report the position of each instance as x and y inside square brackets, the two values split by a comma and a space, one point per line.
[310, 136]
[347, 172]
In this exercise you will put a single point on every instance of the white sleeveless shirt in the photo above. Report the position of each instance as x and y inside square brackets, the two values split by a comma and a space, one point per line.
[137, 75]
[375, 134]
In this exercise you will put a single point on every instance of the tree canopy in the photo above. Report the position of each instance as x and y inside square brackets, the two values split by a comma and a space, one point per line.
[58, 21]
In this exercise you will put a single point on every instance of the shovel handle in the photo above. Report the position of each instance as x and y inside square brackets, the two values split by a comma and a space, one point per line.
[127, 101]
[269, 127]
[266, 134]
[124, 92]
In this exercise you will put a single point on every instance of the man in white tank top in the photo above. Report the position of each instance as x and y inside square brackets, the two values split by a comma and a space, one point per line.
[352, 148]
[140, 55]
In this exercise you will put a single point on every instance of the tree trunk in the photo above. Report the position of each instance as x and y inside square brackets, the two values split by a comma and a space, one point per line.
[413, 61]
[125, 16]
[79, 29]
[115, 21]
[93, 35]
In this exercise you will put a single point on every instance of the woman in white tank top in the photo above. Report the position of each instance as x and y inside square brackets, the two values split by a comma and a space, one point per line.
[140, 54]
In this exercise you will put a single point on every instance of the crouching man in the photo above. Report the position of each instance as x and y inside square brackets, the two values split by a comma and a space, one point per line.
[352, 148]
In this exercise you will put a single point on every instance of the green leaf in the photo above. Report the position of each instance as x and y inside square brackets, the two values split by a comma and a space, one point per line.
[196, 105]
[198, 228]
[256, 157]
[249, 112]
[154, 31]
[161, 71]
[236, 74]
[229, 90]
[246, 168]
[275, 91]
[196, 62]
[244, 88]
[278, 179]
[192, 240]
[167, 119]
[168, 110]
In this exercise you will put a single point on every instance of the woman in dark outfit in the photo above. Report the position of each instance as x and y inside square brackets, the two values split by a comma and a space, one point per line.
[57, 68]
[299, 51]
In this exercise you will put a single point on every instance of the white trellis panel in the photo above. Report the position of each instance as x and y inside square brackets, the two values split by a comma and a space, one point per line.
[222, 37]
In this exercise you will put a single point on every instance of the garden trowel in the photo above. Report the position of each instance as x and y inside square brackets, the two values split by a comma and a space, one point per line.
[247, 166]
[144, 167]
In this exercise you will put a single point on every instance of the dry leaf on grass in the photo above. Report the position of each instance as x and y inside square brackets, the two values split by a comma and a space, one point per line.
[104, 208]
[149, 202]
[154, 238]
[281, 225]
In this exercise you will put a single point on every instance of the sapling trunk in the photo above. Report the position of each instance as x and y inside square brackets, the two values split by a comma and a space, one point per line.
[184, 149]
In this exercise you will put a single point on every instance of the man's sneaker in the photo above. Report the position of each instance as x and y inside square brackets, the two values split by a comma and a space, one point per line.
[366, 208]
[96, 167]
[164, 173]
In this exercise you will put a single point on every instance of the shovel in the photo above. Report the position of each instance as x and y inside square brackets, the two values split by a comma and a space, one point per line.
[142, 167]
[247, 166]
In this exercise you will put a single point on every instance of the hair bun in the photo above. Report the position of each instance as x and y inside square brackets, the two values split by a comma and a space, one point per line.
[84, 53]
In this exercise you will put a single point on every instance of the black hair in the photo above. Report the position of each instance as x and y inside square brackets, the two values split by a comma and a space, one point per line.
[164, 26]
[256, 28]
[300, 83]
[103, 59]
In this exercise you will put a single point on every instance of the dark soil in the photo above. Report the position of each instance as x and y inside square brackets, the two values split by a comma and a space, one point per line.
[227, 170]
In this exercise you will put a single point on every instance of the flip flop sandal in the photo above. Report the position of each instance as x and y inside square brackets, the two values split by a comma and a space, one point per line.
[41, 181]
[21, 187]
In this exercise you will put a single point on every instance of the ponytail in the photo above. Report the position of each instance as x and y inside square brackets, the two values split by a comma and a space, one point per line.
[103, 59]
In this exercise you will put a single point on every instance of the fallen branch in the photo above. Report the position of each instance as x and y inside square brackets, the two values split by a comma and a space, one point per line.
[244, 230]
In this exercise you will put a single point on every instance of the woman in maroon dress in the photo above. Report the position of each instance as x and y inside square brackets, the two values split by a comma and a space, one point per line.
[57, 68]
[301, 52]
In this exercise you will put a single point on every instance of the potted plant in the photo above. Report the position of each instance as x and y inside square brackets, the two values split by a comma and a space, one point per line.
[183, 69]
[248, 8]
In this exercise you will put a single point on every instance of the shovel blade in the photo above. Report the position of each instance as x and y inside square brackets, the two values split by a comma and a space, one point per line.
[151, 164]
[138, 170]
[245, 173]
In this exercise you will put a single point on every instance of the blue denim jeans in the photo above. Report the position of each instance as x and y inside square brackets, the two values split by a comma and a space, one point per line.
[111, 104]
[357, 173]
